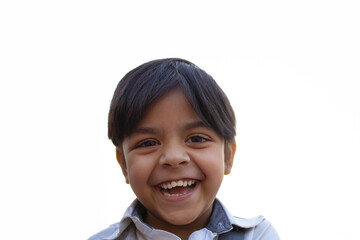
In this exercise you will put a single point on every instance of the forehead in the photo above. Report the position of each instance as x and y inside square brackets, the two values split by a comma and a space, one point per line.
[172, 107]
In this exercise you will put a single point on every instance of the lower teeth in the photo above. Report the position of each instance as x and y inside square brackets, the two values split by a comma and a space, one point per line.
[168, 194]
[171, 195]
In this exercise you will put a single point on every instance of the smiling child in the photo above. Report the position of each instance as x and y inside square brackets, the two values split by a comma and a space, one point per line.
[174, 132]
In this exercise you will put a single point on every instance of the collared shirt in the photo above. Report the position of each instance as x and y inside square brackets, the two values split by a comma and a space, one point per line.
[222, 225]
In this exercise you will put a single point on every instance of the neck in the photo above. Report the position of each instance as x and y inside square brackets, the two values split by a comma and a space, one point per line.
[182, 231]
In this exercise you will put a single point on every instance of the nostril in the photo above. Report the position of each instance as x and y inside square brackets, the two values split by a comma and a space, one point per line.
[183, 162]
[174, 165]
[174, 162]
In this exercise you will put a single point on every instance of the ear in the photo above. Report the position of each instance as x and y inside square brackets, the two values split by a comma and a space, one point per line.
[121, 160]
[230, 149]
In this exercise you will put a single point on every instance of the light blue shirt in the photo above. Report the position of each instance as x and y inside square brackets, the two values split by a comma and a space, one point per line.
[222, 225]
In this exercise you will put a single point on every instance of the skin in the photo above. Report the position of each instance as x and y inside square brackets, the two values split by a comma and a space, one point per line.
[171, 143]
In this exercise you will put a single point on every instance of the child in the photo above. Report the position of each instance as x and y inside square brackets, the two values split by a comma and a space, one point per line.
[174, 132]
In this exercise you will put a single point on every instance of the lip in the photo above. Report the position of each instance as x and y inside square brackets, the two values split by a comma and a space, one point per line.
[181, 197]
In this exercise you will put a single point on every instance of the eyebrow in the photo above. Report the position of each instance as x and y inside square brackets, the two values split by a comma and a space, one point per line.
[153, 130]
[193, 125]
[145, 130]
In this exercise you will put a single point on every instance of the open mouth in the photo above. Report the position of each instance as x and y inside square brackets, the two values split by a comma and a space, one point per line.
[178, 188]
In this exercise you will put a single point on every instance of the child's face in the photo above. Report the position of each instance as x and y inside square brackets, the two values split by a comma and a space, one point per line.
[170, 147]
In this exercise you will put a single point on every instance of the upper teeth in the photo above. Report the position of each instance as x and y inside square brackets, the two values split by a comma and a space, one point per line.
[179, 183]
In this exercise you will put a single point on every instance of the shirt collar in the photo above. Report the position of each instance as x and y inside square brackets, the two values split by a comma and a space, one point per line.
[220, 221]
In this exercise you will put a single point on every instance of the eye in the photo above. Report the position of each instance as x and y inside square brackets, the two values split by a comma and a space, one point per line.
[197, 139]
[147, 143]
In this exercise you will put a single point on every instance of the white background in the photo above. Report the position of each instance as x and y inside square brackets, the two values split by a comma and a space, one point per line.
[290, 69]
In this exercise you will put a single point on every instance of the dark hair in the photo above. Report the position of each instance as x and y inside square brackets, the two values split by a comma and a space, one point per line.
[148, 82]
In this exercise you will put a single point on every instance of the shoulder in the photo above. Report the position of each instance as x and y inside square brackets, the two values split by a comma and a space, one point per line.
[122, 227]
[109, 233]
[251, 228]
[255, 228]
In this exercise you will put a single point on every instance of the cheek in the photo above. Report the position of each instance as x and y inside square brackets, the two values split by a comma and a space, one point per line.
[139, 170]
[212, 162]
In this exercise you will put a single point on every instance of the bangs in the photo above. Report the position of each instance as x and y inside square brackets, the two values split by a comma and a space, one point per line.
[145, 84]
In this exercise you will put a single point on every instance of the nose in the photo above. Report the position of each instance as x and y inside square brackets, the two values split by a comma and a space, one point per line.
[173, 156]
